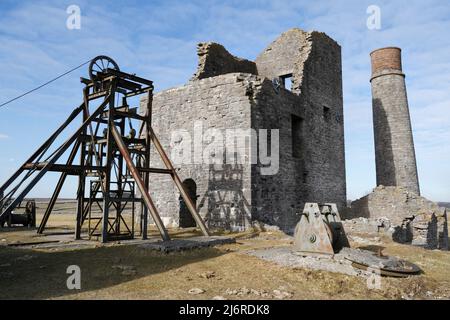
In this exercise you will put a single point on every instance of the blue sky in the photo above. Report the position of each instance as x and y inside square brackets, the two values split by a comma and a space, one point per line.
[157, 39]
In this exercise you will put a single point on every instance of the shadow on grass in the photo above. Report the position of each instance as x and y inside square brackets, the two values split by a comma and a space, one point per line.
[32, 274]
[15, 228]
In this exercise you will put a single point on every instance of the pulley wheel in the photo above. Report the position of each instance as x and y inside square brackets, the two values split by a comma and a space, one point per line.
[100, 64]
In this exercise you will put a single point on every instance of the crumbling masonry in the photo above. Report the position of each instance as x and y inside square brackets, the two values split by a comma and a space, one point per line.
[227, 92]
[401, 214]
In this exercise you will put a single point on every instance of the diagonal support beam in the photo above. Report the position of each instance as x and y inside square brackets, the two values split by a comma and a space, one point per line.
[58, 188]
[44, 146]
[55, 158]
[178, 183]
[140, 183]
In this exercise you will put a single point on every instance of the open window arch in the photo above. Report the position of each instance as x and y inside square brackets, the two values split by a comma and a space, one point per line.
[186, 220]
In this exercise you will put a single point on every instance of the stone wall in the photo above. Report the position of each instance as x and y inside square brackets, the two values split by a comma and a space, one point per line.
[309, 119]
[409, 217]
[286, 56]
[312, 58]
[317, 172]
[214, 60]
[277, 198]
[224, 191]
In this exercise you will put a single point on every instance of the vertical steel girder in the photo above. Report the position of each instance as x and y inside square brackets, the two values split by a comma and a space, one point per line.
[146, 124]
[140, 183]
[109, 159]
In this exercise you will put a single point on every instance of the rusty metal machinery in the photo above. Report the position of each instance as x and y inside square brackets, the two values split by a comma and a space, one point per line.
[376, 261]
[320, 230]
[113, 157]
[320, 233]
[27, 218]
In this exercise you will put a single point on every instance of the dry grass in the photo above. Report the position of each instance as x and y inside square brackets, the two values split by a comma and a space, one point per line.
[171, 276]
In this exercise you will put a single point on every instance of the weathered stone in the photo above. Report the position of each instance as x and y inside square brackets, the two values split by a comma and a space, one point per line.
[207, 275]
[406, 216]
[187, 244]
[258, 226]
[284, 256]
[341, 262]
[255, 292]
[195, 291]
[309, 119]
[215, 60]
[279, 294]
[231, 292]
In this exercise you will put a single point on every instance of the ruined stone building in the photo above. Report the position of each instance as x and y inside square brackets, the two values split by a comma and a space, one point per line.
[294, 86]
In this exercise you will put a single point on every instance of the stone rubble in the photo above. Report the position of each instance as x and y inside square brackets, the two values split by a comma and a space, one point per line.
[279, 293]
[400, 214]
[286, 257]
[207, 275]
[196, 291]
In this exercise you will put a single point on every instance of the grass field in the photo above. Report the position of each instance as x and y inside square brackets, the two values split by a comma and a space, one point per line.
[121, 271]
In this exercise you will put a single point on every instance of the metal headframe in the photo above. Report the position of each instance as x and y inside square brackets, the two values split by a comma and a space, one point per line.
[113, 158]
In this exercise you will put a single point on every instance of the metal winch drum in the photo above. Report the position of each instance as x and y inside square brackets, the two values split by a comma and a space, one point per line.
[27, 218]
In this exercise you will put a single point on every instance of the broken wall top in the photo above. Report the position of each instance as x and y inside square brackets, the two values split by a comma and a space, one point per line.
[413, 218]
[395, 203]
[214, 60]
[312, 59]
[307, 57]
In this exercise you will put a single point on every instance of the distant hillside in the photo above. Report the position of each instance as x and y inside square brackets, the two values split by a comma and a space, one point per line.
[441, 204]
[444, 204]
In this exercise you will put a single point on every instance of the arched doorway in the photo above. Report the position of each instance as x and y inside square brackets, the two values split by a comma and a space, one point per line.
[185, 219]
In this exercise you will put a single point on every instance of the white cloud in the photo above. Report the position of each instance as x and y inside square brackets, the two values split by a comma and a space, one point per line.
[3, 136]
[158, 42]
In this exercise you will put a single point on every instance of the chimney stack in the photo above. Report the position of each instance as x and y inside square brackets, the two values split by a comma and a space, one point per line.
[394, 146]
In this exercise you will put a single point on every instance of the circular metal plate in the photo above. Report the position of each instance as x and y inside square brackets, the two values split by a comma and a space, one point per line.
[387, 273]
[387, 265]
